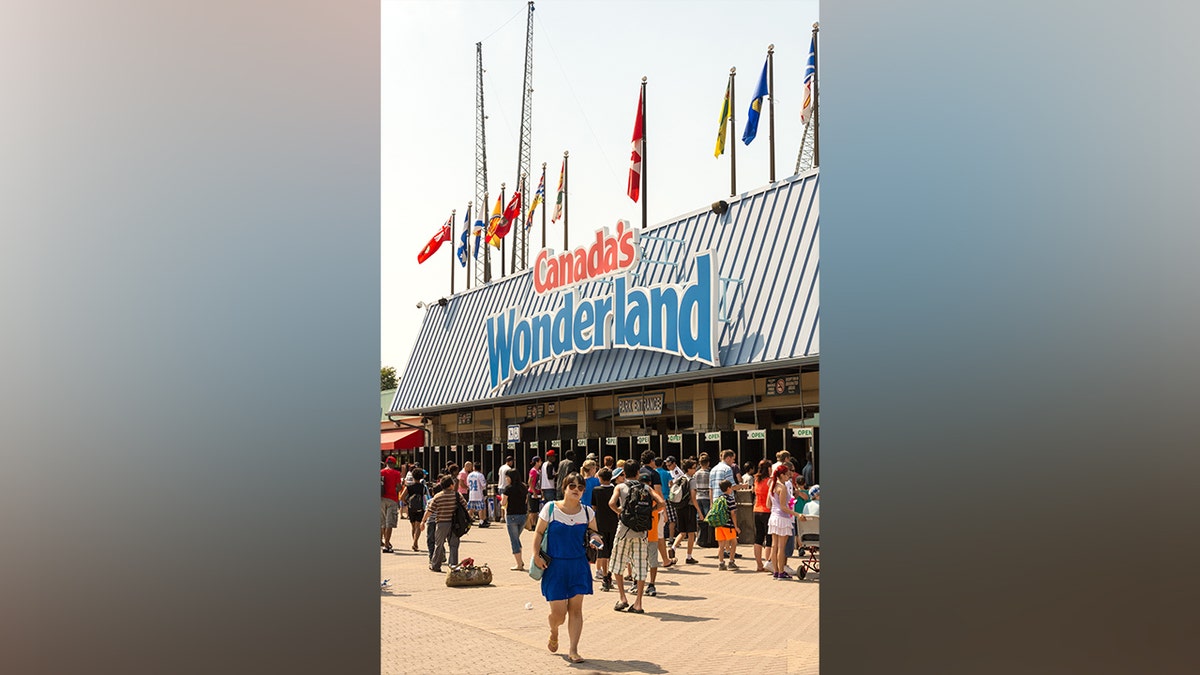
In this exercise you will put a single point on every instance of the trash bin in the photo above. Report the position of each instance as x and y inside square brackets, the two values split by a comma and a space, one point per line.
[744, 496]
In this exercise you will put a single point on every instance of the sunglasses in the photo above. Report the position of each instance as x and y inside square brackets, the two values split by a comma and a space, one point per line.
[574, 486]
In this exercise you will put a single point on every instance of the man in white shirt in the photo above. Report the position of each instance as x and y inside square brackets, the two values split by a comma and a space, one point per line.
[724, 470]
[476, 489]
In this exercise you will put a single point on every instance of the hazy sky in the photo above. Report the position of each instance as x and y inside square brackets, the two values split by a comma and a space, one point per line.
[588, 61]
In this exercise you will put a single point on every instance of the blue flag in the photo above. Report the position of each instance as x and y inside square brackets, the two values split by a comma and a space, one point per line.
[462, 246]
[756, 107]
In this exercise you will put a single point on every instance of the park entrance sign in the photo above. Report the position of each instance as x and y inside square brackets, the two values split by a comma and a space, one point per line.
[671, 318]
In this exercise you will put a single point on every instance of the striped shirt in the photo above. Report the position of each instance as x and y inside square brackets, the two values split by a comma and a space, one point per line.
[441, 508]
[720, 472]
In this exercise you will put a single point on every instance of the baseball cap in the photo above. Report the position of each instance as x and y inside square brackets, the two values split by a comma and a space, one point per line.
[814, 491]
[534, 458]
[549, 453]
[618, 472]
[672, 460]
[390, 460]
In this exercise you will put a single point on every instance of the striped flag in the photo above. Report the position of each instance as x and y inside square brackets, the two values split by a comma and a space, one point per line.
[635, 159]
[756, 107]
[537, 199]
[434, 244]
[511, 213]
[478, 234]
[720, 149]
[558, 202]
[810, 73]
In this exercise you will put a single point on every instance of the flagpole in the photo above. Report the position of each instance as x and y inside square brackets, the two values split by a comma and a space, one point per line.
[816, 109]
[733, 138]
[452, 256]
[545, 205]
[645, 180]
[521, 223]
[467, 244]
[771, 109]
[504, 203]
[566, 197]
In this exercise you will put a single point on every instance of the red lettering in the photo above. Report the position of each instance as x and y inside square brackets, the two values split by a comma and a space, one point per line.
[627, 250]
[540, 284]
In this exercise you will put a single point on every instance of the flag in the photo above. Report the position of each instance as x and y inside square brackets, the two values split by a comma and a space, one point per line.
[466, 232]
[720, 149]
[478, 233]
[558, 203]
[537, 199]
[635, 159]
[494, 221]
[756, 107]
[511, 213]
[810, 74]
[434, 244]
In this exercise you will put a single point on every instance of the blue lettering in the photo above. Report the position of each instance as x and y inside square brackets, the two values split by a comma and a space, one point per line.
[521, 343]
[696, 335]
[561, 333]
[541, 338]
[619, 312]
[499, 347]
[585, 314]
[604, 322]
[664, 318]
[637, 321]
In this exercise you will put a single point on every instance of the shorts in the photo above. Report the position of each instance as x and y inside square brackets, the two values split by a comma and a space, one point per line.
[389, 513]
[610, 540]
[761, 536]
[476, 505]
[652, 554]
[671, 516]
[687, 518]
[631, 551]
[415, 516]
[726, 534]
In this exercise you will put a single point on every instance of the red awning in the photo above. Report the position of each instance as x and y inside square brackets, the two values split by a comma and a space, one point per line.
[401, 439]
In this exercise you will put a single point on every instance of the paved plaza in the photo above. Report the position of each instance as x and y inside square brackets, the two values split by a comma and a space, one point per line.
[703, 619]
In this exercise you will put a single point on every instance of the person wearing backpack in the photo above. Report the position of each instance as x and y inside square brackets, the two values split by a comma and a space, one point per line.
[414, 494]
[442, 508]
[686, 507]
[635, 503]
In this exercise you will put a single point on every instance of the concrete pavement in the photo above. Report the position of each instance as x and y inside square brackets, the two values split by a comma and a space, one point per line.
[703, 619]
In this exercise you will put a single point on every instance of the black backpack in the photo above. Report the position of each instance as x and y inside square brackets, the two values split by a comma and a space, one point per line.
[638, 514]
[460, 525]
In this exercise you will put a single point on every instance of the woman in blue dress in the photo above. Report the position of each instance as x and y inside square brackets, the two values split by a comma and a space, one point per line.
[567, 578]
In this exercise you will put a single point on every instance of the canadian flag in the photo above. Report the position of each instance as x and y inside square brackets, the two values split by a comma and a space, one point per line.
[635, 159]
[434, 244]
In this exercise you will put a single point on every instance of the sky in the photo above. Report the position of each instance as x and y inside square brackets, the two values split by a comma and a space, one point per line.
[589, 57]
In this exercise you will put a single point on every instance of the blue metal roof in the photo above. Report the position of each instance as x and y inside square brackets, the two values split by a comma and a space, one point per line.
[769, 239]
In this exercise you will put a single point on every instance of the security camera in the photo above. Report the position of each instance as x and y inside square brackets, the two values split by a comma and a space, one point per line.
[421, 305]
[720, 207]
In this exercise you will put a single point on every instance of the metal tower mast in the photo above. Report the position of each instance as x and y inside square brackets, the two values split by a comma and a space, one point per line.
[810, 145]
[521, 242]
[483, 272]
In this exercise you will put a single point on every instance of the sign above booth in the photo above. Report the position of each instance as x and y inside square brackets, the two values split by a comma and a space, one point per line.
[639, 405]
[670, 318]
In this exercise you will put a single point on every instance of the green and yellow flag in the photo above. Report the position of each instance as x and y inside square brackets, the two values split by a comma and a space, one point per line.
[720, 150]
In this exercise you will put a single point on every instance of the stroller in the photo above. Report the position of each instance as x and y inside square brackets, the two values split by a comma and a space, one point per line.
[810, 546]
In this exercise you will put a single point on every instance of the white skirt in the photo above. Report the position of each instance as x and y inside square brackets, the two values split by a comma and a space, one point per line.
[780, 524]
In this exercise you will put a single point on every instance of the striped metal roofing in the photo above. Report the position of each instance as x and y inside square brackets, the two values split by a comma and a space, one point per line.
[769, 239]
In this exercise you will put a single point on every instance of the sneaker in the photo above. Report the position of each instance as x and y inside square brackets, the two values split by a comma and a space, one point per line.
[734, 566]
[599, 576]
[722, 566]
[650, 590]
[671, 552]
[606, 585]
[769, 566]
[784, 575]
[691, 561]
[788, 570]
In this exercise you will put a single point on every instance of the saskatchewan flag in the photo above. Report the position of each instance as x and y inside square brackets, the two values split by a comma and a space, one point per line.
[720, 149]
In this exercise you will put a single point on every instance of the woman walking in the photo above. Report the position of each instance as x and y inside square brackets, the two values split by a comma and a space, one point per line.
[513, 499]
[414, 494]
[762, 515]
[567, 578]
[782, 521]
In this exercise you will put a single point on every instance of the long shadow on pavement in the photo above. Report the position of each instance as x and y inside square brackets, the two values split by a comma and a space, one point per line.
[686, 618]
[603, 666]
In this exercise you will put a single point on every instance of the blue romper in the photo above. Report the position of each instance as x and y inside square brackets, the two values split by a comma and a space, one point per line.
[569, 573]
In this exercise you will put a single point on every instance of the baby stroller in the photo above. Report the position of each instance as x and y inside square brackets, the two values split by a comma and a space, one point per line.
[810, 546]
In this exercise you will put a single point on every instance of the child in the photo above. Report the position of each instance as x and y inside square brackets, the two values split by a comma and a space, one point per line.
[726, 525]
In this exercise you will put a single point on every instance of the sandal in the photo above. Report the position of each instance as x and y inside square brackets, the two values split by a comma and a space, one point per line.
[637, 611]
[387, 548]
[552, 645]
[575, 658]
[620, 606]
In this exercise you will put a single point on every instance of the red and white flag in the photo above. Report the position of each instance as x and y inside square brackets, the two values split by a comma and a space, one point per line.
[434, 244]
[635, 160]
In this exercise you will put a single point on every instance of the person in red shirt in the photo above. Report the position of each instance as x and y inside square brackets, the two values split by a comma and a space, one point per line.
[389, 502]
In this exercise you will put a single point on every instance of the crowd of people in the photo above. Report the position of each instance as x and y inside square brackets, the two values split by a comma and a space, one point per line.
[628, 519]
